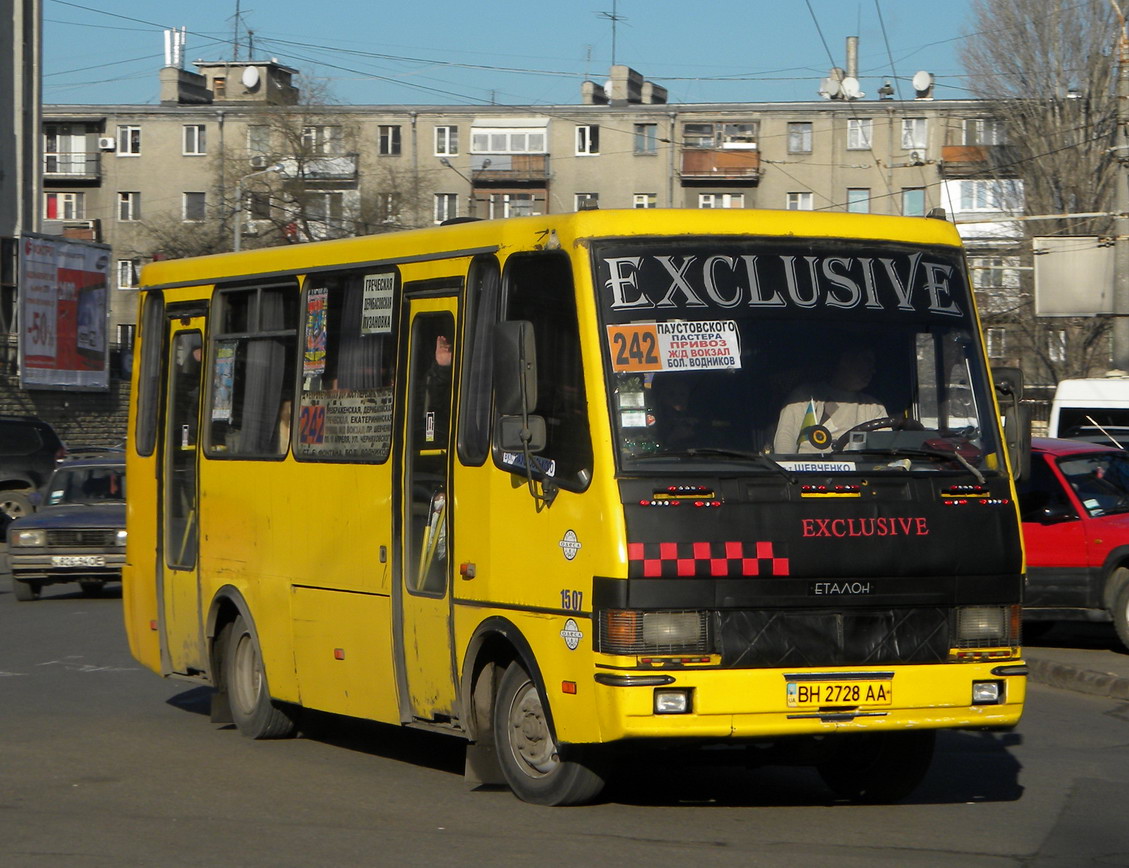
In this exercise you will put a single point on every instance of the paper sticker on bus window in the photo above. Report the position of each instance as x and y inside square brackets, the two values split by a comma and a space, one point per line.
[313, 358]
[675, 346]
[376, 313]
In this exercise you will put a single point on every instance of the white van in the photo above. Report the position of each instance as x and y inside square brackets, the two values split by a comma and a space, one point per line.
[1094, 409]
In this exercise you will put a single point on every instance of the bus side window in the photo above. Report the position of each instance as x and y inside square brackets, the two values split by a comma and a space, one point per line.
[348, 365]
[484, 286]
[252, 374]
[539, 288]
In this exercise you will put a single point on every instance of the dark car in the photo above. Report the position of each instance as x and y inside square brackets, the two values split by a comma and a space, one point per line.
[29, 451]
[78, 534]
[1075, 510]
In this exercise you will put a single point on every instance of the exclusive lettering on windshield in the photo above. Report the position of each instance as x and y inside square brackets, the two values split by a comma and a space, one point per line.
[906, 282]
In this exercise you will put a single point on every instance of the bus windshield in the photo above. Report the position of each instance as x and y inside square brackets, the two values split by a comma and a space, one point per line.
[817, 354]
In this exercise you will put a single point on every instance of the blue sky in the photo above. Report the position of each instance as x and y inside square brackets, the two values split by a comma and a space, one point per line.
[513, 52]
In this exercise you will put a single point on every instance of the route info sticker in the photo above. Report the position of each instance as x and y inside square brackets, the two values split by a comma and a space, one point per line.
[675, 346]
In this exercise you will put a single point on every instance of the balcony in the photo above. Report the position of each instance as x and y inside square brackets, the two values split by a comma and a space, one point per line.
[962, 161]
[509, 169]
[727, 166]
[75, 168]
[336, 168]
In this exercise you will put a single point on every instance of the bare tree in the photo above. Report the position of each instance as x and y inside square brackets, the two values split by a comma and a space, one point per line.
[1048, 67]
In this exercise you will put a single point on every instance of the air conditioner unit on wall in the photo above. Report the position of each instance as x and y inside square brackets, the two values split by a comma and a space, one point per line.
[259, 162]
[107, 143]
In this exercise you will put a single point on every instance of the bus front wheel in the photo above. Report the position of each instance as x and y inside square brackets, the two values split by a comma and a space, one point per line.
[877, 767]
[529, 755]
[254, 713]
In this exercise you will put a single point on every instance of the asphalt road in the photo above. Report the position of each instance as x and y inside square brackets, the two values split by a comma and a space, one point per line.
[103, 763]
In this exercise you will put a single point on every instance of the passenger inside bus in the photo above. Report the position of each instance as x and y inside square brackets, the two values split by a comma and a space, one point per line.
[816, 414]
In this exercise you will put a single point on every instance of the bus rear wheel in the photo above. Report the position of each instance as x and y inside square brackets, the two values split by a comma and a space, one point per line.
[254, 713]
[530, 758]
[877, 767]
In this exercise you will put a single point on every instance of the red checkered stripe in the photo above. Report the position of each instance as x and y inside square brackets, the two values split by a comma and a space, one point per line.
[672, 560]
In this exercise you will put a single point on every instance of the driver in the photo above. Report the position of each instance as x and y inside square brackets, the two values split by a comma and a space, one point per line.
[815, 414]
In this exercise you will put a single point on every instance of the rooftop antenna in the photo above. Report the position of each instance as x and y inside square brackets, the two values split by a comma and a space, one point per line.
[614, 19]
[238, 19]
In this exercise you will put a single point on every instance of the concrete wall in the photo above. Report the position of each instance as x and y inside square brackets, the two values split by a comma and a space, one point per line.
[81, 419]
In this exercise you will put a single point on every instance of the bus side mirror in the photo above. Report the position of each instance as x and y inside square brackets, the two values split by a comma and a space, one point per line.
[1016, 419]
[515, 368]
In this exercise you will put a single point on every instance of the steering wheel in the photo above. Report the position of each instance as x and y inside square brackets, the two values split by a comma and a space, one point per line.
[894, 422]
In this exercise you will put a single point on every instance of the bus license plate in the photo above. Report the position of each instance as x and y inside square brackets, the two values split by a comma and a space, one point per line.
[813, 694]
[78, 561]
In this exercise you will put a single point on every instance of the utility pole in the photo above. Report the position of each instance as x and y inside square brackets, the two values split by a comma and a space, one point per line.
[1121, 205]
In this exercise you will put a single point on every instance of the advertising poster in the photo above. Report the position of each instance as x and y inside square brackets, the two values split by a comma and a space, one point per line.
[64, 312]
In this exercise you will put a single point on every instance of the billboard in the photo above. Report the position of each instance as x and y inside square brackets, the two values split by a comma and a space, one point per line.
[64, 313]
[1073, 275]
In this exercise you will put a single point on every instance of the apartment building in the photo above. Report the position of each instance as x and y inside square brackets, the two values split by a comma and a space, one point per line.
[232, 157]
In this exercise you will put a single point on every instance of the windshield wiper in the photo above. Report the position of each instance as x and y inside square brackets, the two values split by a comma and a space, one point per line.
[757, 457]
[941, 453]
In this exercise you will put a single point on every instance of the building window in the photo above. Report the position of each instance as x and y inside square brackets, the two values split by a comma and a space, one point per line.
[913, 201]
[194, 207]
[588, 139]
[486, 140]
[64, 206]
[728, 135]
[646, 138]
[129, 141]
[194, 140]
[644, 200]
[858, 200]
[64, 149]
[322, 140]
[446, 206]
[799, 201]
[984, 131]
[128, 273]
[219, 87]
[914, 134]
[859, 134]
[997, 342]
[1056, 345]
[390, 206]
[389, 140]
[446, 141]
[990, 195]
[721, 200]
[799, 137]
[258, 205]
[258, 138]
[586, 202]
[129, 206]
[327, 208]
[512, 205]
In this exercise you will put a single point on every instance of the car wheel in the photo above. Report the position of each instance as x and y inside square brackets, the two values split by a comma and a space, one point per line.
[252, 710]
[878, 767]
[530, 758]
[15, 504]
[1121, 612]
[25, 592]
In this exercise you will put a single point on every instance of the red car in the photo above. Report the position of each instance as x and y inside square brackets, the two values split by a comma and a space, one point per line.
[1075, 510]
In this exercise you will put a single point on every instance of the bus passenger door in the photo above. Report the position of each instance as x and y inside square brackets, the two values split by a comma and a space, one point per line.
[181, 622]
[425, 628]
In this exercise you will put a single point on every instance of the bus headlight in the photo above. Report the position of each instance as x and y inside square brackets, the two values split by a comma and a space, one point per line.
[982, 626]
[28, 538]
[630, 632]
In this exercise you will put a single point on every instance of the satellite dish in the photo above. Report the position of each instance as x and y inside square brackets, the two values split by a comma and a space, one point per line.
[922, 81]
[251, 77]
[829, 88]
[851, 87]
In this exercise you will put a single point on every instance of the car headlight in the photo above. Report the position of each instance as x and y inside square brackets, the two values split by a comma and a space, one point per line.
[120, 538]
[30, 537]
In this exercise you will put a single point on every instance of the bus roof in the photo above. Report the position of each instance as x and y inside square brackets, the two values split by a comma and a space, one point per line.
[524, 233]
